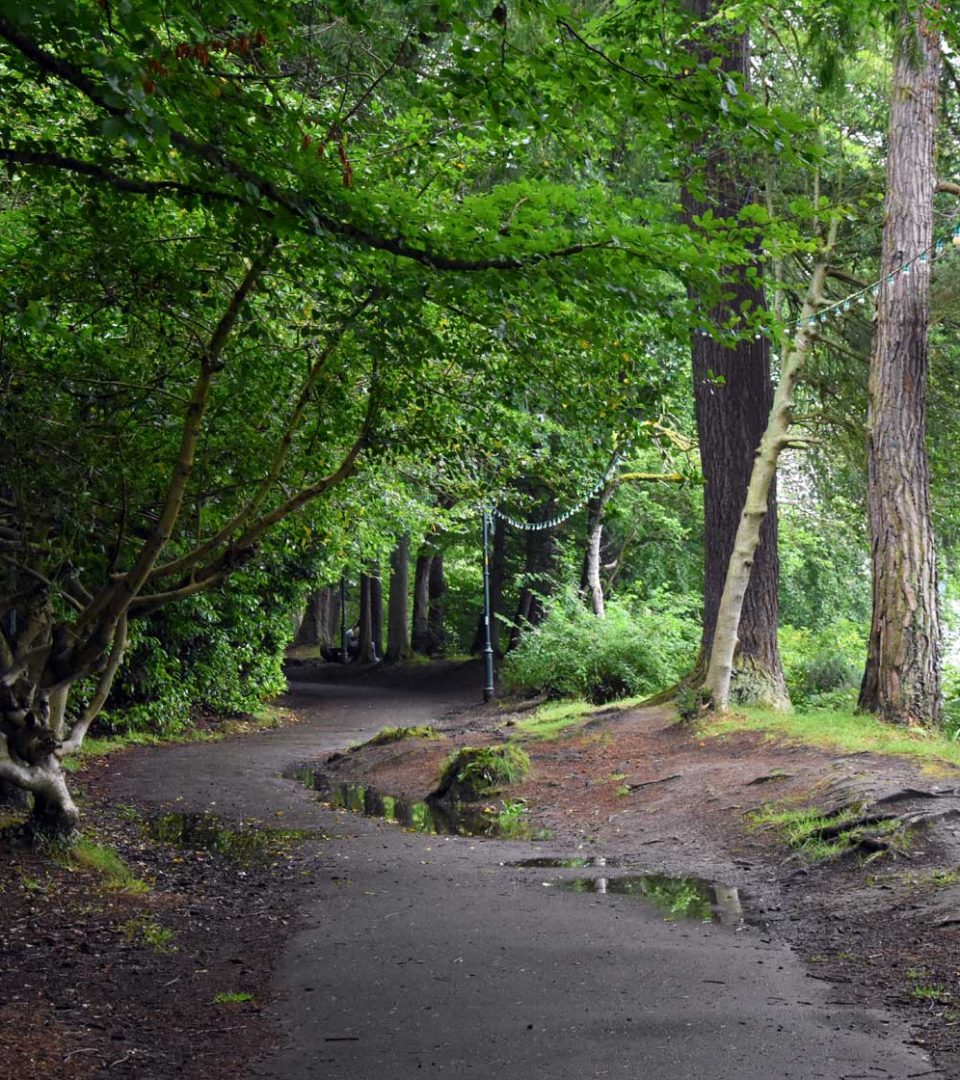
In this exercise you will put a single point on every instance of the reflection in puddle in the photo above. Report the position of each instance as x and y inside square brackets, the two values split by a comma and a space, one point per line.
[580, 863]
[676, 897]
[206, 832]
[432, 818]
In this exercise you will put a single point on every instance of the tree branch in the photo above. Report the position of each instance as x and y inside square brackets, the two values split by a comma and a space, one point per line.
[100, 695]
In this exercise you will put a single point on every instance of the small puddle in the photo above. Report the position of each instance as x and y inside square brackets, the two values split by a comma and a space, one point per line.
[423, 817]
[206, 832]
[675, 897]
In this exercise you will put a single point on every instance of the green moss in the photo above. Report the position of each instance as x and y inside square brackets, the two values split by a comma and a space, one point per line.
[474, 771]
[397, 734]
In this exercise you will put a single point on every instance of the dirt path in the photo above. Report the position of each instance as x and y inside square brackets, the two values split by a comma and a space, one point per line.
[416, 955]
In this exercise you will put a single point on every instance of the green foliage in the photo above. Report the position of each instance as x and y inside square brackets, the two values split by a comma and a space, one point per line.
[485, 769]
[232, 997]
[822, 666]
[145, 930]
[636, 649]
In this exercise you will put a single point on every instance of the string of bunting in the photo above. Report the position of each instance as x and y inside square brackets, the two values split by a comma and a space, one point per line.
[865, 295]
[559, 519]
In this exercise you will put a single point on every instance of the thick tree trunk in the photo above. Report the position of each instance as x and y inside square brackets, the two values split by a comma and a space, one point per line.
[320, 622]
[437, 608]
[398, 639]
[420, 640]
[733, 395]
[901, 681]
[776, 437]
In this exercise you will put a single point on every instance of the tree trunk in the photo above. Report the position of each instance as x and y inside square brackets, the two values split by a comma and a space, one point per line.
[376, 612]
[367, 653]
[776, 437]
[420, 640]
[437, 608]
[539, 565]
[590, 583]
[319, 625]
[398, 640]
[733, 395]
[901, 681]
[498, 576]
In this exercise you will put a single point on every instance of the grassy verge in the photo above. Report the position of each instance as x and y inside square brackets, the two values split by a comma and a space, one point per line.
[558, 718]
[839, 730]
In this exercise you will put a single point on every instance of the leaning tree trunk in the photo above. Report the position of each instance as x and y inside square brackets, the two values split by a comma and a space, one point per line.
[420, 640]
[776, 438]
[733, 395]
[437, 607]
[901, 681]
[398, 639]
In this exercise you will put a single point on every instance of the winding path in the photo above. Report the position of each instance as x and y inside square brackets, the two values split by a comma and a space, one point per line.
[421, 956]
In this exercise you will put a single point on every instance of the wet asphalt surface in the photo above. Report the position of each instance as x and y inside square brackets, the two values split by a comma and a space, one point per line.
[419, 956]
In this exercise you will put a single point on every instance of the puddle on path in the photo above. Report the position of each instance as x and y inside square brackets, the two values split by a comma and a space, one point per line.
[432, 818]
[206, 832]
[577, 863]
[675, 897]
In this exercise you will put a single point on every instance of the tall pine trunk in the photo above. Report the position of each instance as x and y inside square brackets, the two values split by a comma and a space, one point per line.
[369, 597]
[733, 395]
[901, 681]
[398, 636]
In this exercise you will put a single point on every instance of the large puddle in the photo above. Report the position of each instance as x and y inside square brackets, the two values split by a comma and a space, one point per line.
[502, 820]
[207, 833]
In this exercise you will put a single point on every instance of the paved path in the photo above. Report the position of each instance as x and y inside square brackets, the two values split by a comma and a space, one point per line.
[421, 956]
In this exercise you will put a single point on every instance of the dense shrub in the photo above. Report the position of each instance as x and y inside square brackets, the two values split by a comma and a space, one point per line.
[823, 666]
[220, 652]
[636, 649]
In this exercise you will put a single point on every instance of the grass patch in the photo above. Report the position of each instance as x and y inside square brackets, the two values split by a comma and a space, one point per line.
[397, 734]
[841, 730]
[232, 997]
[480, 770]
[103, 861]
[803, 828]
[555, 719]
[147, 931]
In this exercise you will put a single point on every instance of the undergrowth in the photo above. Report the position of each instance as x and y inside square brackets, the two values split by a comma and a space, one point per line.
[803, 828]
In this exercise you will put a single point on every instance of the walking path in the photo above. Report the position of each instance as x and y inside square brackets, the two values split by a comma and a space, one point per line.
[425, 956]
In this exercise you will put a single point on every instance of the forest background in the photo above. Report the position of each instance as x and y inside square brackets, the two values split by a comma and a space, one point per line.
[290, 295]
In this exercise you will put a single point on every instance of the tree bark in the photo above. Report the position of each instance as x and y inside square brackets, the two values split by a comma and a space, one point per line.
[398, 638]
[901, 681]
[437, 607]
[733, 395]
[420, 640]
[376, 612]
